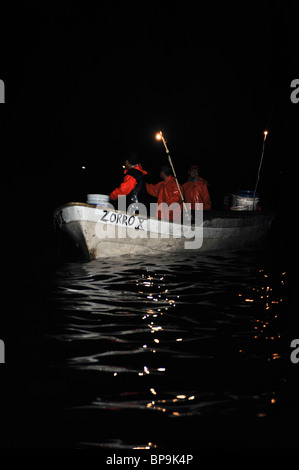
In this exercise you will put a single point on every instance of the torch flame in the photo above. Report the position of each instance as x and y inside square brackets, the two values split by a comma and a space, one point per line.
[159, 135]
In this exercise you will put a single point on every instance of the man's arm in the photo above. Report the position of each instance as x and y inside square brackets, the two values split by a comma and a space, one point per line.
[125, 188]
[153, 189]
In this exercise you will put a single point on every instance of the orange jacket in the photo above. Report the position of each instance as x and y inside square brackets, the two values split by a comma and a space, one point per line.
[168, 192]
[128, 183]
[197, 191]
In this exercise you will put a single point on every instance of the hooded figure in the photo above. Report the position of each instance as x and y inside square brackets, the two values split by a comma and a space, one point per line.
[166, 191]
[133, 186]
[196, 189]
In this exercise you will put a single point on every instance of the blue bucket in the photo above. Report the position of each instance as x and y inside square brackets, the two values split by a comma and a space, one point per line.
[246, 200]
[246, 193]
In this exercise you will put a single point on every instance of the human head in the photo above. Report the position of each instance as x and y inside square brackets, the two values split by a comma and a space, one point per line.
[130, 159]
[193, 171]
[165, 172]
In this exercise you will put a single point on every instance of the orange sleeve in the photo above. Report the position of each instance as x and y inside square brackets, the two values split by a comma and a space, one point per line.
[125, 188]
[206, 198]
[153, 189]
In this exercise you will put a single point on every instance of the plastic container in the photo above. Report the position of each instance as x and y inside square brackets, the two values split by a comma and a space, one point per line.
[97, 199]
[245, 198]
[247, 193]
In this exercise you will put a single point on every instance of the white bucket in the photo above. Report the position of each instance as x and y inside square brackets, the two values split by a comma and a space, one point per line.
[247, 202]
[97, 199]
[245, 199]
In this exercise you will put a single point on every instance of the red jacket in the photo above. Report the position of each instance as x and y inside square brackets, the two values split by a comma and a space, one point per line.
[168, 192]
[128, 183]
[197, 191]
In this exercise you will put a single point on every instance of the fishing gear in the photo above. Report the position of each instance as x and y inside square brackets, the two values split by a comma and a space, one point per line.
[160, 136]
[260, 166]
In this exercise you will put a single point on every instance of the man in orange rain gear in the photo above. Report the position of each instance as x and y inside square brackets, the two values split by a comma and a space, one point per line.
[133, 186]
[196, 189]
[166, 191]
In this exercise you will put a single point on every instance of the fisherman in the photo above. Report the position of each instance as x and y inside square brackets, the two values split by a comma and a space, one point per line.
[133, 186]
[166, 191]
[196, 189]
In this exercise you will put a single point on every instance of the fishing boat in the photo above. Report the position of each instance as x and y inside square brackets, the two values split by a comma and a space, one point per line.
[101, 231]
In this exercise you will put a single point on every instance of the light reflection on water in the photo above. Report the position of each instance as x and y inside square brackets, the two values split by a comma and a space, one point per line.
[181, 337]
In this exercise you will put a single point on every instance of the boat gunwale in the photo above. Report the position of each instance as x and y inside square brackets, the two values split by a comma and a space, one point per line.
[207, 214]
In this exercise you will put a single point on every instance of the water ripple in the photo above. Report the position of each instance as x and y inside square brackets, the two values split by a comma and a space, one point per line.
[181, 337]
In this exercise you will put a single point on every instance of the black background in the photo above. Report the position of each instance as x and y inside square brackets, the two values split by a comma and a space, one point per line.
[85, 82]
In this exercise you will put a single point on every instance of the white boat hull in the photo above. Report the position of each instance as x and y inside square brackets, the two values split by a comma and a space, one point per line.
[103, 232]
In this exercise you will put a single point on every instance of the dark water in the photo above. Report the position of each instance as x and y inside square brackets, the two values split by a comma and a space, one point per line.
[182, 351]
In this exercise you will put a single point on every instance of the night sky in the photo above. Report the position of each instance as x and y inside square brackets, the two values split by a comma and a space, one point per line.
[85, 82]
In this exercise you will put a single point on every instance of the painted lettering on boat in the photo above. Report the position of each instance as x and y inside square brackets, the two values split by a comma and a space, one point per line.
[122, 219]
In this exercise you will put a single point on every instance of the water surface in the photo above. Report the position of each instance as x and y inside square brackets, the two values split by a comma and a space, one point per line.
[188, 351]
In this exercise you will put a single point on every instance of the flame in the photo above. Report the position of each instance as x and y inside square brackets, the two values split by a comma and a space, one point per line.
[159, 135]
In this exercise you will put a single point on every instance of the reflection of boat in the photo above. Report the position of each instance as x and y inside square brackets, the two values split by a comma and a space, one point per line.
[102, 232]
